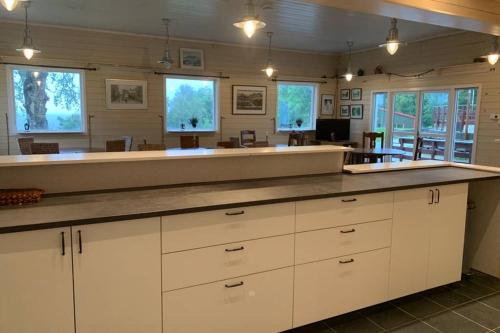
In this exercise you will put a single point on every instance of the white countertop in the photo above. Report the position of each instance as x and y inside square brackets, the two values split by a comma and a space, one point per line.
[173, 154]
[409, 165]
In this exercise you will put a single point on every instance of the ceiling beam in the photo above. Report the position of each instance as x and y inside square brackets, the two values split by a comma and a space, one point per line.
[472, 15]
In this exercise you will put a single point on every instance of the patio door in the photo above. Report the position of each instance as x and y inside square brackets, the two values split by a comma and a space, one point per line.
[404, 122]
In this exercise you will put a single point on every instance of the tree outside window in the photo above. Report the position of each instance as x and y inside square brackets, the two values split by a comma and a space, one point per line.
[296, 106]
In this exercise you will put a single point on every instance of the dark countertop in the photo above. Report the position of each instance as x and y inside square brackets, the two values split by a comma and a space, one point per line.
[78, 209]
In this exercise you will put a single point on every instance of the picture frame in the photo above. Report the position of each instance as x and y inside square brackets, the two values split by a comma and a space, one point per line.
[357, 111]
[345, 111]
[192, 59]
[126, 94]
[356, 94]
[249, 100]
[327, 104]
[345, 94]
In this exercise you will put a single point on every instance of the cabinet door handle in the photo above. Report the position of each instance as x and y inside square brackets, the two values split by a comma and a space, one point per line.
[241, 248]
[241, 212]
[80, 247]
[438, 196]
[431, 201]
[234, 285]
[347, 231]
[350, 200]
[63, 244]
[346, 261]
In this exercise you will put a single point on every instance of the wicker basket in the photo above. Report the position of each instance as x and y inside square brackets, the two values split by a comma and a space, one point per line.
[14, 197]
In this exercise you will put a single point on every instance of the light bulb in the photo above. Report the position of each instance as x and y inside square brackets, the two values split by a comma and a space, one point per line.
[10, 5]
[28, 53]
[249, 28]
[39, 82]
[392, 47]
[269, 71]
[348, 77]
[493, 58]
[35, 74]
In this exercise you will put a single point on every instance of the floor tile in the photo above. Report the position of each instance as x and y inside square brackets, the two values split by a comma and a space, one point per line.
[312, 328]
[470, 289]
[446, 297]
[449, 322]
[418, 306]
[493, 301]
[389, 317]
[481, 314]
[485, 280]
[417, 327]
[353, 324]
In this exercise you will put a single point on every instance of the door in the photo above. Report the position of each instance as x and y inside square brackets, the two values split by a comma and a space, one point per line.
[36, 282]
[404, 121]
[117, 277]
[434, 124]
[465, 125]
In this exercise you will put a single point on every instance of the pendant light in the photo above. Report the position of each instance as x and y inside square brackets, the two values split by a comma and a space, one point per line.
[392, 42]
[28, 49]
[494, 55]
[348, 75]
[166, 60]
[269, 70]
[251, 22]
[10, 5]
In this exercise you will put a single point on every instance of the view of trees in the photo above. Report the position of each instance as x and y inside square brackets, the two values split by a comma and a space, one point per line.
[295, 102]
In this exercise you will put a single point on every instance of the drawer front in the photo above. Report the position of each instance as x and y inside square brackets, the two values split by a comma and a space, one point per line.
[189, 268]
[256, 303]
[329, 288]
[335, 242]
[190, 231]
[334, 212]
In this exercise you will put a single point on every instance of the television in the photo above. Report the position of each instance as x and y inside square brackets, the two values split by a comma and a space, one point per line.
[340, 128]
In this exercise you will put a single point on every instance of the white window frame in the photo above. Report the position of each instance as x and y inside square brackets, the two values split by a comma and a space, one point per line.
[315, 102]
[11, 105]
[216, 102]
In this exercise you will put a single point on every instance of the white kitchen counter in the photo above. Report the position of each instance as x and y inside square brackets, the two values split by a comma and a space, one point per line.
[409, 165]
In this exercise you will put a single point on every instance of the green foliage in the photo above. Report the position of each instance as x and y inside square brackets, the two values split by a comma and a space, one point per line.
[65, 90]
[295, 102]
[191, 102]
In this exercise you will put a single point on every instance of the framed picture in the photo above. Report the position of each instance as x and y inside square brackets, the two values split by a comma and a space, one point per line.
[126, 94]
[327, 104]
[249, 100]
[357, 111]
[345, 111]
[356, 94]
[345, 94]
[192, 59]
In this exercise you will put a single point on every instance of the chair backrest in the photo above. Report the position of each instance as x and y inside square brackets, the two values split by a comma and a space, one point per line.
[25, 145]
[189, 141]
[129, 140]
[45, 148]
[115, 145]
[248, 137]
[151, 146]
[372, 136]
[417, 148]
[296, 139]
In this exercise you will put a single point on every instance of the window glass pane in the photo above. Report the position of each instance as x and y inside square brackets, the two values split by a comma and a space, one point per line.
[465, 124]
[296, 106]
[47, 101]
[380, 114]
[189, 100]
[434, 116]
[404, 121]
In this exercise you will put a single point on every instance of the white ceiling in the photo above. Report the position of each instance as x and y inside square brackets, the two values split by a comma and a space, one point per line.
[296, 24]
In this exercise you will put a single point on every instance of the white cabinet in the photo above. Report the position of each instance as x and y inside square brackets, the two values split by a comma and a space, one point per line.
[427, 238]
[117, 277]
[36, 282]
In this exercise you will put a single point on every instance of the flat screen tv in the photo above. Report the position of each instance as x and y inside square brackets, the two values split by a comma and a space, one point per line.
[339, 127]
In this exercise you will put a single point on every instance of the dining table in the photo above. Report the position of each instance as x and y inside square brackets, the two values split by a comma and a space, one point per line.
[358, 155]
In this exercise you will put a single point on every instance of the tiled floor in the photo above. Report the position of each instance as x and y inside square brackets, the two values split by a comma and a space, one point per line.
[469, 306]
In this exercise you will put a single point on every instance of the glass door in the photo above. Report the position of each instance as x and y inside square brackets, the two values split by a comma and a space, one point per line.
[433, 124]
[380, 116]
[464, 125]
[404, 121]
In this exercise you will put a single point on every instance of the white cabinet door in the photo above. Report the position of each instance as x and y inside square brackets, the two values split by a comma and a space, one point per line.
[36, 283]
[117, 277]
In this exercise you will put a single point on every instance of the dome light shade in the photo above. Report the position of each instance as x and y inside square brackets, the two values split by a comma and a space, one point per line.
[392, 42]
[10, 5]
[28, 49]
[392, 47]
[494, 55]
[251, 22]
[348, 77]
[167, 61]
[270, 70]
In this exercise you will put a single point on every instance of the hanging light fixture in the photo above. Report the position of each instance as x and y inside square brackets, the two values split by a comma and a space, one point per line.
[10, 5]
[348, 75]
[28, 49]
[251, 22]
[392, 42]
[166, 60]
[270, 70]
[494, 55]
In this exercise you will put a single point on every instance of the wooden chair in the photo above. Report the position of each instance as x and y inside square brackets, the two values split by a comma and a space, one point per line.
[372, 136]
[129, 140]
[417, 149]
[115, 145]
[151, 146]
[248, 137]
[25, 145]
[45, 148]
[296, 139]
[189, 141]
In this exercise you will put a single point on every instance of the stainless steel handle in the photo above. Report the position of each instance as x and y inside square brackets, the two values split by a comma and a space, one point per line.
[63, 244]
[350, 200]
[438, 195]
[80, 247]
[431, 201]
[346, 261]
[347, 231]
[241, 212]
[241, 248]
[234, 285]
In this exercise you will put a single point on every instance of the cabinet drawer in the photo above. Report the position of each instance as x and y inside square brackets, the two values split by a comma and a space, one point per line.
[255, 303]
[334, 212]
[329, 288]
[190, 231]
[189, 268]
[335, 242]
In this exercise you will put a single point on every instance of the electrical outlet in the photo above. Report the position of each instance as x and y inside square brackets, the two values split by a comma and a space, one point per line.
[494, 116]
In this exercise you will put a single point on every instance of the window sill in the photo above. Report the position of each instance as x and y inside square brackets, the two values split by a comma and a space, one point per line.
[191, 132]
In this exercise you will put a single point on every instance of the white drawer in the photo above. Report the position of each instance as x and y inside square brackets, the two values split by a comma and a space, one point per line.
[334, 212]
[257, 303]
[190, 231]
[329, 288]
[335, 242]
[189, 268]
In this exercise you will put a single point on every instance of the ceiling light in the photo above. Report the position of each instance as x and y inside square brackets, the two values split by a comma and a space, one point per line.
[28, 49]
[270, 70]
[251, 22]
[166, 60]
[348, 75]
[392, 42]
[494, 55]
[10, 5]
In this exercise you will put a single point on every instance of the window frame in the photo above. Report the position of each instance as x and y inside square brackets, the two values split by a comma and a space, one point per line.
[11, 103]
[314, 113]
[216, 102]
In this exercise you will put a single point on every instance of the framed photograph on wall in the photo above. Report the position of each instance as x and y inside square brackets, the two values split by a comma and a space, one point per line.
[345, 94]
[249, 100]
[327, 104]
[126, 94]
[357, 111]
[345, 111]
[192, 59]
[356, 94]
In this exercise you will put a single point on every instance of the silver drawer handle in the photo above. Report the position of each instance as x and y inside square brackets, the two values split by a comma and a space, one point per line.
[346, 261]
[347, 231]
[350, 200]
[241, 212]
[241, 248]
[234, 285]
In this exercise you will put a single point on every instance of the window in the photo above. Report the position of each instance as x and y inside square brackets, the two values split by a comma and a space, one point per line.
[47, 100]
[465, 124]
[297, 103]
[191, 104]
[380, 106]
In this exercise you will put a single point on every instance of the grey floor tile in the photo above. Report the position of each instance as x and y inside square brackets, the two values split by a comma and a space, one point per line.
[485, 280]
[353, 324]
[449, 322]
[418, 306]
[312, 328]
[417, 327]
[470, 289]
[389, 317]
[481, 314]
[493, 301]
[447, 298]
